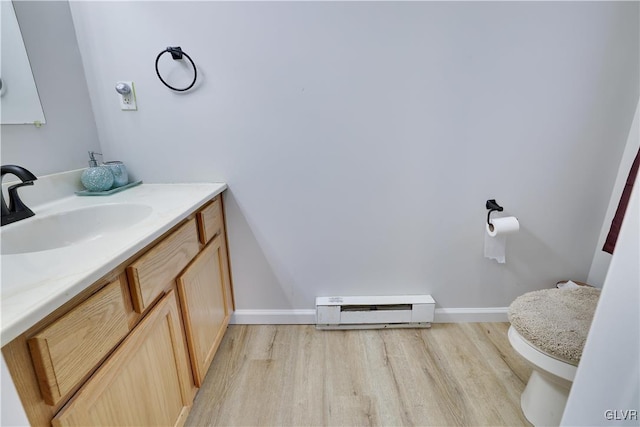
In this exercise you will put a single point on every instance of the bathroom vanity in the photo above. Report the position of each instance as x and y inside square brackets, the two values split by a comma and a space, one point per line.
[121, 329]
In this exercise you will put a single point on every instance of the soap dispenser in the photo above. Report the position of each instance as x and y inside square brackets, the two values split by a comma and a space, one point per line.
[96, 178]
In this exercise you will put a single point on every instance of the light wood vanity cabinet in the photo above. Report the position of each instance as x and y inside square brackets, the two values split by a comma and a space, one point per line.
[133, 348]
[210, 221]
[154, 271]
[68, 349]
[144, 382]
[202, 289]
[210, 225]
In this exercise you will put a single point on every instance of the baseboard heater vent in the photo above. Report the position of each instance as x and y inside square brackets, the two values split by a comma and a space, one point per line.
[372, 312]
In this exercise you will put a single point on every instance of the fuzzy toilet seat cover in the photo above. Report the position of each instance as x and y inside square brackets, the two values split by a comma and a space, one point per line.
[556, 321]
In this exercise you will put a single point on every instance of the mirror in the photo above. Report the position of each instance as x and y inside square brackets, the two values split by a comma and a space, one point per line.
[19, 100]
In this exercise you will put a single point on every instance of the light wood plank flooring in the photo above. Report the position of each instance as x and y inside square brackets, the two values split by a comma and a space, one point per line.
[294, 375]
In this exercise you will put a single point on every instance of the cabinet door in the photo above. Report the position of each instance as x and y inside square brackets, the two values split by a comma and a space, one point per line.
[228, 287]
[145, 382]
[204, 305]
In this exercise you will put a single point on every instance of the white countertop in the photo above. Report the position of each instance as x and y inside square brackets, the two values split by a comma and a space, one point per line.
[35, 284]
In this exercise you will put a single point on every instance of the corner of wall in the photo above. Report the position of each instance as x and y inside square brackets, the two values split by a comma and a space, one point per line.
[601, 260]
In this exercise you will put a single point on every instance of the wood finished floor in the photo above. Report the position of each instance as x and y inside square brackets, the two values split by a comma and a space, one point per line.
[293, 375]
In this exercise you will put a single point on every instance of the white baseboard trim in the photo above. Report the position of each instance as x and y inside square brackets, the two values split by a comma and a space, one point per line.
[273, 317]
[471, 315]
[308, 317]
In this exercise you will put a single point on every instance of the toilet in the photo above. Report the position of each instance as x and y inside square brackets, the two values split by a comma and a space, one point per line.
[549, 329]
[545, 396]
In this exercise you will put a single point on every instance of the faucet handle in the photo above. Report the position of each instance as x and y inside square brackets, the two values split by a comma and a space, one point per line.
[17, 210]
[15, 203]
[18, 185]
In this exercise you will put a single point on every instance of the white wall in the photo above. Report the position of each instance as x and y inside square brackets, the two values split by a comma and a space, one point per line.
[601, 259]
[361, 140]
[62, 143]
[608, 378]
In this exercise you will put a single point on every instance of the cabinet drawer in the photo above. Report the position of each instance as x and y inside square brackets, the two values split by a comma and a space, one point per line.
[154, 271]
[210, 220]
[68, 349]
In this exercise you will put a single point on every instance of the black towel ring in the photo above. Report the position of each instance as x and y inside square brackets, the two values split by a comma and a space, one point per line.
[177, 53]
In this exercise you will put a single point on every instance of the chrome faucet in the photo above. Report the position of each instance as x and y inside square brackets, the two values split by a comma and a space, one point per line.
[16, 210]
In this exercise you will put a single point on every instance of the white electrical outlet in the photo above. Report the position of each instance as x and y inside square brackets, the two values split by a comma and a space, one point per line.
[127, 99]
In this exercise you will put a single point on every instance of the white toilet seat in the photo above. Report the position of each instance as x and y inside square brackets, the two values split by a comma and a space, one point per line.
[540, 359]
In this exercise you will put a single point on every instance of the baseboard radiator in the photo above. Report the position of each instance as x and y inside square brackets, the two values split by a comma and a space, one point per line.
[375, 312]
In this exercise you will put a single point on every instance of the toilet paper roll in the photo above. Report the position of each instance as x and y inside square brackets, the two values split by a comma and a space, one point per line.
[495, 239]
[495, 248]
[506, 225]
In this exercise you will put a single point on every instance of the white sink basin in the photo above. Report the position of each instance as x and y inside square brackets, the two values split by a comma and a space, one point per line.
[71, 227]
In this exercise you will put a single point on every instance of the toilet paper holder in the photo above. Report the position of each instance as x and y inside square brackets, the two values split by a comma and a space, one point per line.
[492, 205]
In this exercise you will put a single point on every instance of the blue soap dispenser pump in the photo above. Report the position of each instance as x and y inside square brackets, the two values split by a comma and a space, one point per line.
[96, 178]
